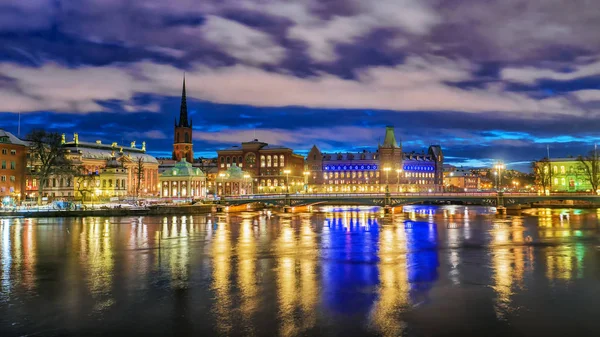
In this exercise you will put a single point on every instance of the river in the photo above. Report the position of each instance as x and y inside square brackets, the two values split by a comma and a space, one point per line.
[341, 271]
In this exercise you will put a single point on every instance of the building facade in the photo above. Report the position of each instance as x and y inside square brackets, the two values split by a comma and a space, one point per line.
[183, 146]
[274, 168]
[183, 181]
[234, 181]
[108, 164]
[388, 168]
[460, 180]
[564, 175]
[13, 166]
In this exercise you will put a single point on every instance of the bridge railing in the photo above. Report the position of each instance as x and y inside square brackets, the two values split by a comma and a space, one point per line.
[401, 194]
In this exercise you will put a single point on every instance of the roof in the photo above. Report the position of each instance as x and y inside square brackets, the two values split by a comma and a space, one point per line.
[183, 169]
[234, 173]
[12, 139]
[365, 155]
[107, 153]
[390, 137]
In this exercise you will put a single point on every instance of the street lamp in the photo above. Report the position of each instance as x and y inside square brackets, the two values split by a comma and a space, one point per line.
[222, 175]
[387, 178]
[499, 167]
[398, 171]
[306, 174]
[246, 176]
[287, 180]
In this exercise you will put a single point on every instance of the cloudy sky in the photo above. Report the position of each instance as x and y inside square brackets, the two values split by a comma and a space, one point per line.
[487, 80]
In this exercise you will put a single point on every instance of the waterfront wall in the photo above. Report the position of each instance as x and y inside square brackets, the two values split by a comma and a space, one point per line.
[154, 210]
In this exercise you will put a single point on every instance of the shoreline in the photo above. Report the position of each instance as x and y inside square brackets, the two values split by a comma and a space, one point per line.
[154, 210]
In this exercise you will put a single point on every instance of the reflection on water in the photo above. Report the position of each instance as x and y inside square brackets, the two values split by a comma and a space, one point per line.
[340, 271]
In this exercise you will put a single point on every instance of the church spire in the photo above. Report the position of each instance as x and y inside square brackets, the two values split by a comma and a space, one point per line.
[183, 113]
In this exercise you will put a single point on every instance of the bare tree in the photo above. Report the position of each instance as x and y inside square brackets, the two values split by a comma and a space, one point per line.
[590, 166]
[139, 175]
[47, 158]
[85, 183]
[542, 172]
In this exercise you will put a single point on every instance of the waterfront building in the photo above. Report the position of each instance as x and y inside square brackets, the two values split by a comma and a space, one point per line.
[107, 162]
[461, 180]
[13, 161]
[183, 181]
[274, 168]
[183, 146]
[234, 181]
[367, 171]
[565, 175]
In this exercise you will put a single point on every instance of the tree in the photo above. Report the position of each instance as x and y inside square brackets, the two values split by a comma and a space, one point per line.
[542, 172]
[590, 166]
[139, 175]
[47, 158]
[86, 182]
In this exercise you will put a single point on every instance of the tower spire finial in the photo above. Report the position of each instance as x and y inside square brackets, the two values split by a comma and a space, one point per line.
[183, 113]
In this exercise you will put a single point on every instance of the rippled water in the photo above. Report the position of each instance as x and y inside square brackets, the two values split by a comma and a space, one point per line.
[344, 271]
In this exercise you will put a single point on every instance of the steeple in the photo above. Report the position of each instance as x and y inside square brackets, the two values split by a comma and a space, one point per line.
[390, 137]
[183, 113]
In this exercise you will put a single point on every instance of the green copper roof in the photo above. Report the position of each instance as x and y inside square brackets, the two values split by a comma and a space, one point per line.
[390, 137]
[234, 173]
[183, 169]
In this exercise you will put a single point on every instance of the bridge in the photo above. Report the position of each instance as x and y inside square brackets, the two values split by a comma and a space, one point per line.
[387, 200]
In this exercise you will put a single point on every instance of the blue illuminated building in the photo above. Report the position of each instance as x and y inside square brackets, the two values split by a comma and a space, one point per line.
[365, 171]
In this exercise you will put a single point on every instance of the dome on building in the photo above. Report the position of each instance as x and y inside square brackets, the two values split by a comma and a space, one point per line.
[183, 169]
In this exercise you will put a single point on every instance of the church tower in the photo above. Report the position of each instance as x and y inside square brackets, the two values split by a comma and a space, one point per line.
[182, 144]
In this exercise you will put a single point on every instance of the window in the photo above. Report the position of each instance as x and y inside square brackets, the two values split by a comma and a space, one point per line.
[228, 161]
[4, 151]
[275, 182]
[555, 180]
[4, 164]
[12, 179]
[110, 183]
[234, 160]
[555, 169]
[562, 170]
[250, 160]
[2, 178]
[103, 183]
[34, 183]
[123, 183]
[281, 161]
[268, 161]
[13, 152]
[562, 181]
[53, 182]
[275, 161]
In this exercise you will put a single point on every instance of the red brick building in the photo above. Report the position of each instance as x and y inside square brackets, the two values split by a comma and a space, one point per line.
[13, 165]
[267, 166]
[183, 146]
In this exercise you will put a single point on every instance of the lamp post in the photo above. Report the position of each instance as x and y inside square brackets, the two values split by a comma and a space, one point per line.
[387, 178]
[306, 174]
[222, 176]
[398, 171]
[499, 167]
[246, 176]
[287, 180]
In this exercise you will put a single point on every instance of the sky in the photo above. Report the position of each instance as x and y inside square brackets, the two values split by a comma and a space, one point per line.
[488, 80]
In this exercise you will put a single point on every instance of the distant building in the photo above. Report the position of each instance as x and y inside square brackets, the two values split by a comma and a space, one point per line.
[273, 168]
[13, 166]
[461, 180]
[183, 181]
[367, 171]
[234, 181]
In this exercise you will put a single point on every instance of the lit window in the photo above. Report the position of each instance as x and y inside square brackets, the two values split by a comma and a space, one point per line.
[556, 180]
[281, 160]
[562, 181]
[268, 161]
[562, 170]
[275, 161]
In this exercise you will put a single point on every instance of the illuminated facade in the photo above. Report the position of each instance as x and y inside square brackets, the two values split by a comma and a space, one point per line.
[183, 181]
[456, 180]
[234, 181]
[566, 175]
[109, 163]
[13, 161]
[366, 172]
[274, 168]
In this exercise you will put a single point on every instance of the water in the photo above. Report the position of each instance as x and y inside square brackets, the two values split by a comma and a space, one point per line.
[431, 271]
